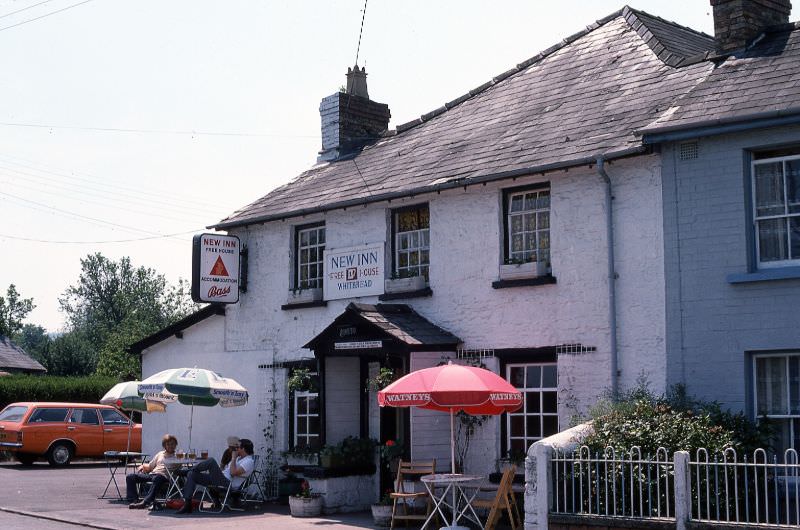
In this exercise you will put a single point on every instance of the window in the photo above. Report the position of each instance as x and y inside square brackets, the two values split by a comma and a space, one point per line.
[306, 419]
[112, 417]
[48, 415]
[777, 396]
[412, 241]
[85, 417]
[776, 209]
[527, 219]
[538, 417]
[13, 414]
[309, 246]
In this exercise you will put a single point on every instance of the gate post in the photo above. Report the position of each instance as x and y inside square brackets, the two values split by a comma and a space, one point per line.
[537, 492]
[683, 490]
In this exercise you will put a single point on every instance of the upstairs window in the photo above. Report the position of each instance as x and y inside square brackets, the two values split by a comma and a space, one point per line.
[411, 241]
[309, 246]
[776, 209]
[527, 219]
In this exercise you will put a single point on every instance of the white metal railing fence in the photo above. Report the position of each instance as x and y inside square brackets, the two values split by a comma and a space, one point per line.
[613, 485]
[757, 491]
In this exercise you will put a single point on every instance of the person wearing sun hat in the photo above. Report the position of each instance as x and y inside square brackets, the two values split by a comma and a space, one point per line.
[230, 450]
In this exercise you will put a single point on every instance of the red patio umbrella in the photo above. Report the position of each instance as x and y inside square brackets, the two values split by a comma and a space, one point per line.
[453, 388]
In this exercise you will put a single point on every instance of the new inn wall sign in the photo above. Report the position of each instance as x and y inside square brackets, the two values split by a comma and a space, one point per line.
[353, 271]
[215, 268]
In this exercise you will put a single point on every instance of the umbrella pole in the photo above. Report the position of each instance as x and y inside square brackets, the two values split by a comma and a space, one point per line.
[452, 444]
[191, 416]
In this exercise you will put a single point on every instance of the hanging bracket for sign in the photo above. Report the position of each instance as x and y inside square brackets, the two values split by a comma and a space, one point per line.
[215, 268]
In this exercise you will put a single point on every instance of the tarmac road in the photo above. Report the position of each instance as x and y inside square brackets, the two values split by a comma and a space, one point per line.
[42, 497]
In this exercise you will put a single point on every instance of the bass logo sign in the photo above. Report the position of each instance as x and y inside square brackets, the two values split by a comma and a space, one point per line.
[215, 268]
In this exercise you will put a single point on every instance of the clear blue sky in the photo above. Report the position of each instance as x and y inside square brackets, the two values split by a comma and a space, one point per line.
[127, 120]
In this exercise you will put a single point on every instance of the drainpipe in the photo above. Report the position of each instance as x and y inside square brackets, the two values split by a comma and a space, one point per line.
[612, 275]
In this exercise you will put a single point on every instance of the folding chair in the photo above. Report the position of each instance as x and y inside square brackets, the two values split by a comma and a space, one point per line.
[230, 493]
[405, 471]
[503, 500]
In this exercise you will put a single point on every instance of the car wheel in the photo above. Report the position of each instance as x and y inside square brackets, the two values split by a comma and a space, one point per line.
[60, 454]
[26, 459]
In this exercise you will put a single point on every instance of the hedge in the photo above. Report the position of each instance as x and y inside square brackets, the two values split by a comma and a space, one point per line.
[87, 389]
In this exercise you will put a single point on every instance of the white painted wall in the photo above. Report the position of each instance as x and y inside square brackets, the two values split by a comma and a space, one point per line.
[465, 258]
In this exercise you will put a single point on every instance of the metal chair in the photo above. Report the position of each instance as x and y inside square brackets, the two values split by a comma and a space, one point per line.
[229, 493]
[503, 500]
[405, 471]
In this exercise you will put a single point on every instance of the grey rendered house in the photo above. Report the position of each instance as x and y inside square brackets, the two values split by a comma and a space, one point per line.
[730, 150]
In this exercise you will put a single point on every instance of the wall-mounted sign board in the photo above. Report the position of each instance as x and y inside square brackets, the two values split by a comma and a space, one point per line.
[215, 268]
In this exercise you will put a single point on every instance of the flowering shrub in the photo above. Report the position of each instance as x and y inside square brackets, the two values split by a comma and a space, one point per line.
[305, 491]
[390, 450]
[386, 498]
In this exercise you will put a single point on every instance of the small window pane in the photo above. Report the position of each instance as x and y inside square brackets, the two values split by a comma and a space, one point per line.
[543, 220]
[517, 377]
[530, 221]
[534, 377]
[517, 446]
[303, 239]
[772, 240]
[534, 427]
[549, 401]
[313, 424]
[302, 405]
[516, 203]
[769, 189]
[532, 402]
[549, 377]
[302, 424]
[549, 425]
[313, 405]
[794, 237]
[517, 425]
[793, 185]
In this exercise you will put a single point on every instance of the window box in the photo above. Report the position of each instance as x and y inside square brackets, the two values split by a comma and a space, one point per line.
[531, 269]
[301, 459]
[404, 285]
[304, 296]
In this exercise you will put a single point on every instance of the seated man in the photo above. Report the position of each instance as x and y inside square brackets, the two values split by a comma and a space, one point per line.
[154, 472]
[208, 473]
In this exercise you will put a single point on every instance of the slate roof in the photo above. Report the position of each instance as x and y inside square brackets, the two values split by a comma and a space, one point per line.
[571, 103]
[762, 81]
[14, 358]
[400, 322]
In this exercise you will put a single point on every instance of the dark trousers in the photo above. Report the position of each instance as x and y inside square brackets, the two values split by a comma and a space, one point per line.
[206, 473]
[156, 482]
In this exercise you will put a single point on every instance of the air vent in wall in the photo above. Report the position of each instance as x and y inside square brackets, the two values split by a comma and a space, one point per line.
[688, 151]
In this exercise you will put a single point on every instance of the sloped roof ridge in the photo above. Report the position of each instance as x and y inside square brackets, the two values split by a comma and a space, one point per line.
[508, 73]
[633, 17]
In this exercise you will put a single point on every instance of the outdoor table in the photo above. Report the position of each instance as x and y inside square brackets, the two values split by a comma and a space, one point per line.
[455, 486]
[116, 460]
[174, 465]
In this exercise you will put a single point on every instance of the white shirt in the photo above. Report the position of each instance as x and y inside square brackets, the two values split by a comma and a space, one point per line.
[246, 463]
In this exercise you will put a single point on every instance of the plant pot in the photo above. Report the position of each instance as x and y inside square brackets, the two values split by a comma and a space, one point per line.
[404, 285]
[331, 461]
[305, 506]
[382, 514]
[306, 459]
[531, 269]
[304, 296]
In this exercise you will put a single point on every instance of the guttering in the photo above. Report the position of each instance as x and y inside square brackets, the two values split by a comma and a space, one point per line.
[748, 122]
[459, 182]
[612, 275]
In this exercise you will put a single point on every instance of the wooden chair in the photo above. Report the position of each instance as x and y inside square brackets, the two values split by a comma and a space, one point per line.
[405, 472]
[503, 500]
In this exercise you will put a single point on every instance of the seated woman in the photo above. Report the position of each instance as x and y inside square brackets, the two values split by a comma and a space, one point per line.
[154, 472]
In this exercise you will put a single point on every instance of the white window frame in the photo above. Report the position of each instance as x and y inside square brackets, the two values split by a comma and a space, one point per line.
[785, 216]
[793, 419]
[300, 265]
[523, 411]
[537, 233]
[423, 246]
[308, 435]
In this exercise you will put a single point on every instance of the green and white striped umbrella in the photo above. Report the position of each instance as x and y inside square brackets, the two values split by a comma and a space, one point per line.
[126, 396]
[195, 386]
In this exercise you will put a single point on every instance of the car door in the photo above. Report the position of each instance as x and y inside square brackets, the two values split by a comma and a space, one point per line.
[84, 427]
[115, 430]
[44, 425]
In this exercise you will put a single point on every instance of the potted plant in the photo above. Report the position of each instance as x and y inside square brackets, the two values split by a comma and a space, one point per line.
[406, 281]
[381, 380]
[304, 293]
[301, 456]
[306, 503]
[382, 510]
[514, 269]
[301, 380]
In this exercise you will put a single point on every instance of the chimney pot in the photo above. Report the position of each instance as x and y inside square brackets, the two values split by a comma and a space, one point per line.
[738, 22]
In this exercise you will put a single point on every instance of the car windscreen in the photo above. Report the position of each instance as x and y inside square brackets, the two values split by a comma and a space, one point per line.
[112, 417]
[13, 413]
[48, 415]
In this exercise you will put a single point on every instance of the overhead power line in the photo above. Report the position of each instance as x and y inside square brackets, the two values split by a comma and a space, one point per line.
[52, 241]
[25, 9]
[155, 131]
[45, 15]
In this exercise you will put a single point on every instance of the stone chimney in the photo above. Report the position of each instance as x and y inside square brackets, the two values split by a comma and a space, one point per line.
[350, 120]
[738, 22]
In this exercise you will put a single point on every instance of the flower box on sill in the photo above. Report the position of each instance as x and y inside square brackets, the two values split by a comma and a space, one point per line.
[404, 285]
[530, 269]
[304, 296]
[302, 459]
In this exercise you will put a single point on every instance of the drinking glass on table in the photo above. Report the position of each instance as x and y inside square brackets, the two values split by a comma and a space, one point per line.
[192, 454]
[203, 454]
[180, 454]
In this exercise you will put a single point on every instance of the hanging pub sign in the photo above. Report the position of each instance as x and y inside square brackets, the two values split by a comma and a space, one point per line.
[215, 268]
[353, 271]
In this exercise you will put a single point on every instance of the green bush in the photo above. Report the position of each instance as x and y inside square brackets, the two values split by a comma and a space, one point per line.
[88, 389]
[675, 422]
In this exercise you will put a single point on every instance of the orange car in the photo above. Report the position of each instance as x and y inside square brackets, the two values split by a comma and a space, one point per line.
[60, 431]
